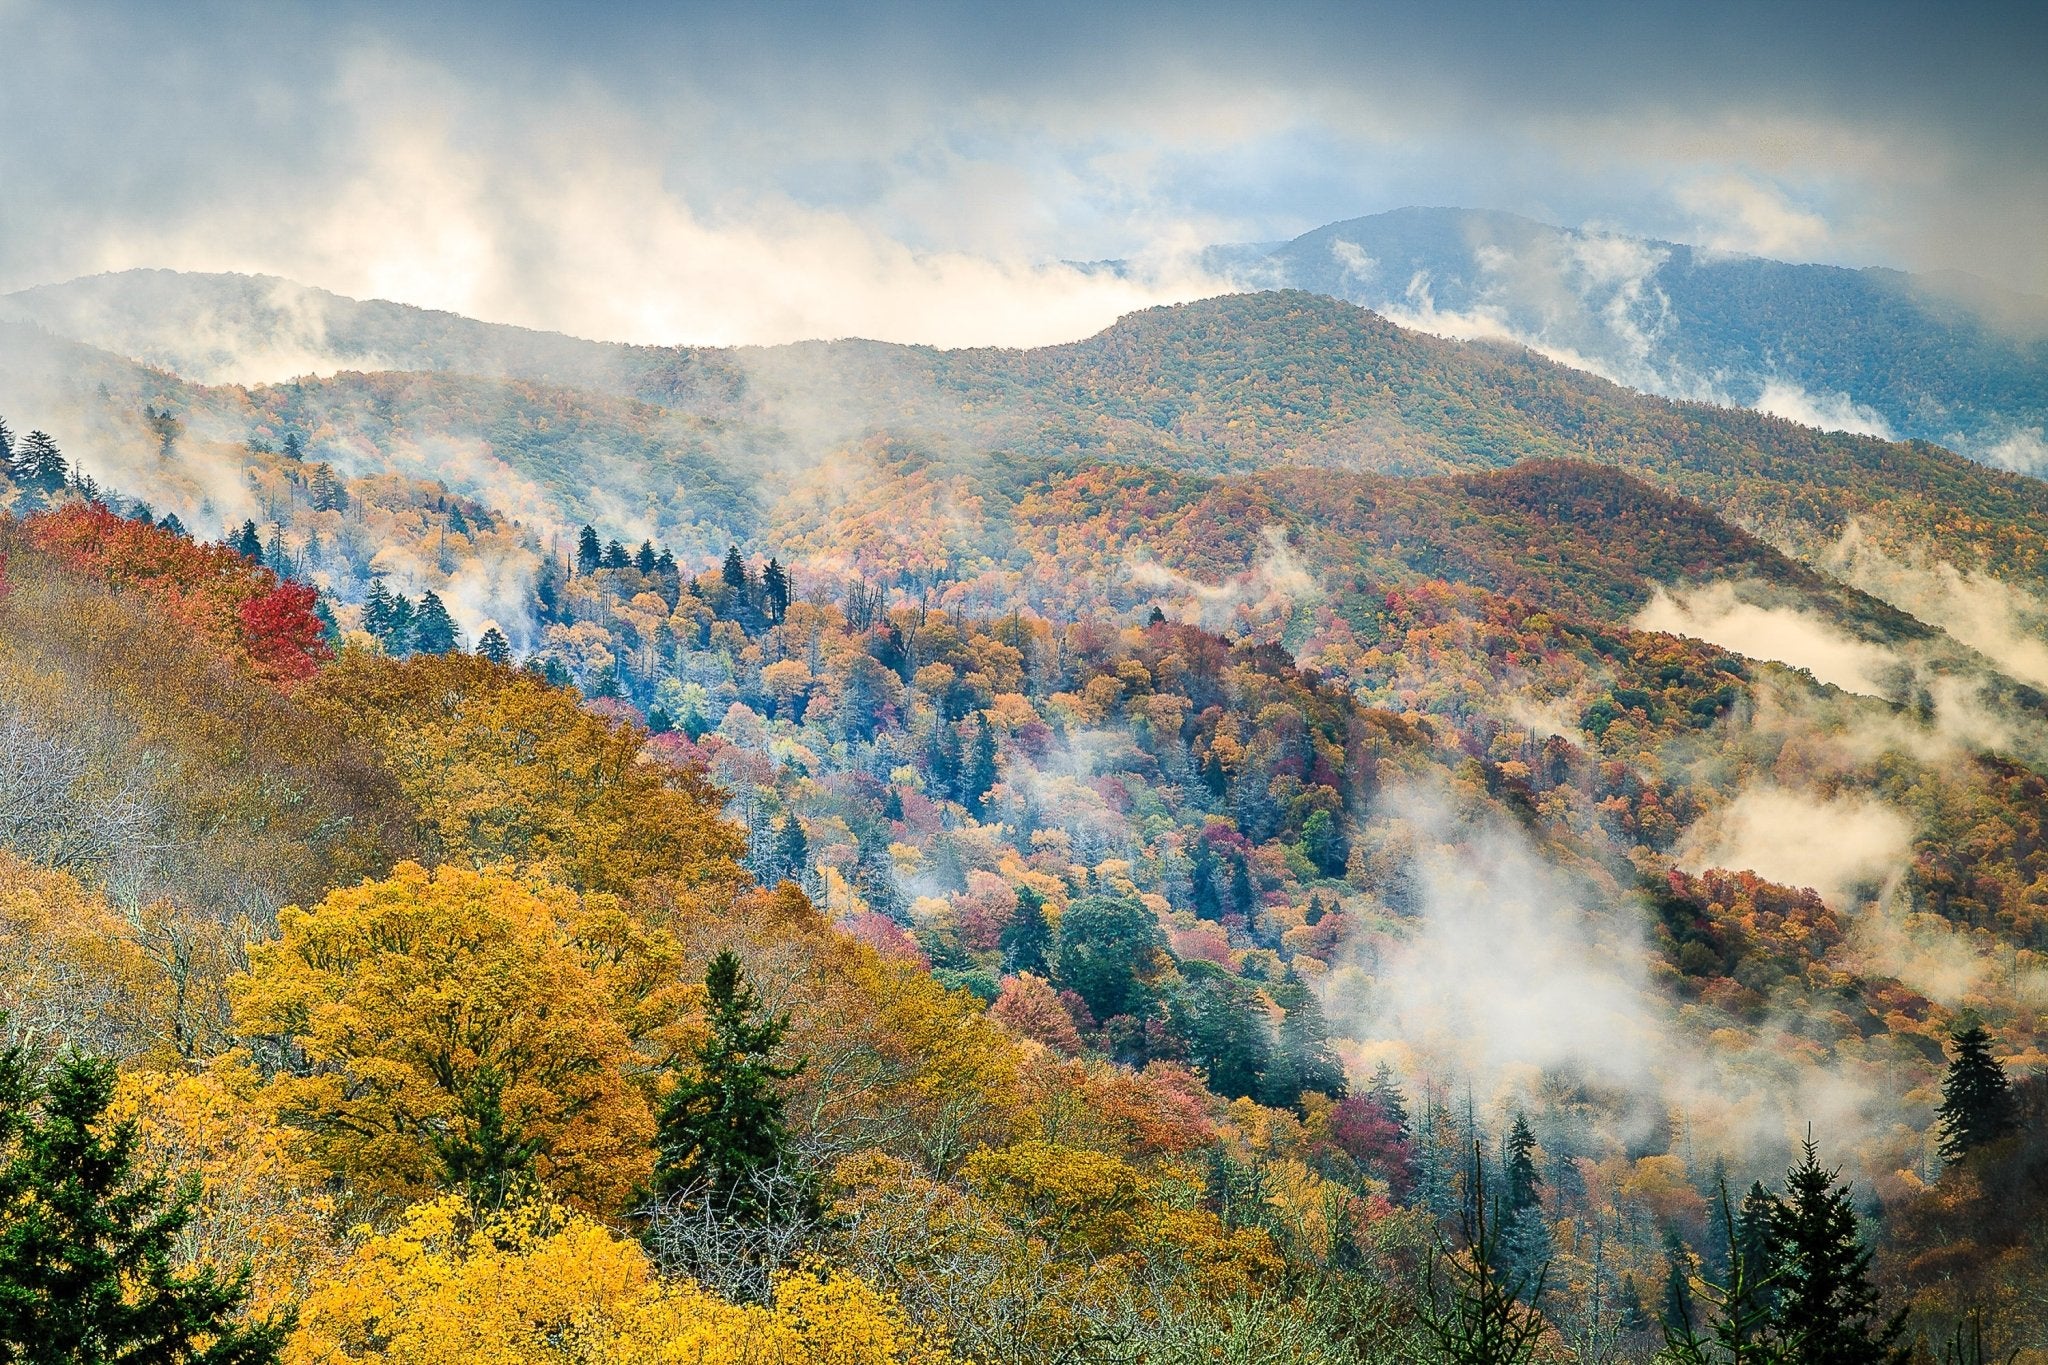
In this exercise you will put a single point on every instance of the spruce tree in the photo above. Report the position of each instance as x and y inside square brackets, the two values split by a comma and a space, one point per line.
[86, 1243]
[1303, 1060]
[377, 604]
[615, 556]
[643, 558]
[6, 451]
[1976, 1097]
[721, 1128]
[172, 524]
[1475, 1307]
[493, 645]
[1827, 1310]
[1525, 1232]
[433, 629]
[247, 543]
[734, 570]
[589, 554]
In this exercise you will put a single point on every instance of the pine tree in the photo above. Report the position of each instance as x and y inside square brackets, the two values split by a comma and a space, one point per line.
[86, 1243]
[6, 451]
[1243, 900]
[1827, 1310]
[433, 629]
[1977, 1104]
[328, 495]
[722, 1126]
[1028, 936]
[1525, 1183]
[172, 524]
[398, 635]
[589, 554]
[643, 558]
[377, 614]
[734, 570]
[275, 554]
[247, 543]
[294, 448]
[1736, 1312]
[1525, 1232]
[487, 1156]
[615, 556]
[493, 645]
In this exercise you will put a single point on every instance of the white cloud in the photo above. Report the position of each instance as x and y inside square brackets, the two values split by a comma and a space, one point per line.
[1828, 411]
[1716, 613]
[1838, 846]
[1737, 213]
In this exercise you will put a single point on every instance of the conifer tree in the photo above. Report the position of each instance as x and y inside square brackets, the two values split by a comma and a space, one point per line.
[722, 1127]
[1525, 1232]
[433, 629]
[247, 543]
[615, 556]
[172, 524]
[1475, 1308]
[1302, 1058]
[294, 448]
[6, 451]
[327, 491]
[793, 849]
[1028, 936]
[493, 645]
[86, 1243]
[1385, 1093]
[643, 558]
[40, 465]
[775, 592]
[1976, 1097]
[377, 609]
[980, 775]
[1827, 1310]
[734, 570]
[589, 554]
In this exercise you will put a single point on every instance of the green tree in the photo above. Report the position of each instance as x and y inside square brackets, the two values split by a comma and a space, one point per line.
[1324, 844]
[722, 1127]
[980, 774]
[1027, 937]
[792, 849]
[40, 465]
[86, 1276]
[1474, 1307]
[644, 558]
[488, 1155]
[1737, 1312]
[433, 629]
[493, 645]
[589, 553]
[775, 592]
[247, 543]
[1302, 1058]
[1976, 1097]
[1110, 948]
[1827, 1310]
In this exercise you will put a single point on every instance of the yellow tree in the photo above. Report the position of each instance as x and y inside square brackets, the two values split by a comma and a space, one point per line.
[447, 1026]
[536, 1283]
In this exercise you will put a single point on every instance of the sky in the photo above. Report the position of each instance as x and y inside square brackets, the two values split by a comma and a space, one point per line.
[918, 172]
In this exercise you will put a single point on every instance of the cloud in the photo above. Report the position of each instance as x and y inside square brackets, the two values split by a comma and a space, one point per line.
[1842, 847]
[2005, 623]
[2023, 451]
[1274, 585]
[1829, 412]
[1736, 213]
[1718, 614]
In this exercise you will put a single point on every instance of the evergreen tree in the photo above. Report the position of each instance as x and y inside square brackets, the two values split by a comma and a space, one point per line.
[945, 761]
[398, 636]
[722, 1127]
[792, 849]
[493, 645]
[1324, 844]
[38, 464]
[1243, 900]
[294, 448]
[1827, 1311]
[1027, 936]
[643, 559]
[734, 570]
[1386, 1094]
[377, 609]
[1525, 1231]
[275, 554]
[1475, 1308]
[172, 524]
[1226, 1031]
[247, 543]
[86, 1243]
[605, 683]
[1525, 1183]
[433, 629]
[980, 774]
[665, 564]
[1302, 1059]
[487, 1156]
[457, 523]
[1737, 1311]
[615, 556]
[775, 592]
[1976, 1097]
[327, 491]
[589, 554]
[6, 451]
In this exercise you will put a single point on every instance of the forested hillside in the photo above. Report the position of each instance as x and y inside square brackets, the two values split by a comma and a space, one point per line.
[1259, 835]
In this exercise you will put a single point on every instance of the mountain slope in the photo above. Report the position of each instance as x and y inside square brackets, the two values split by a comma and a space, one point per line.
[1875, 350]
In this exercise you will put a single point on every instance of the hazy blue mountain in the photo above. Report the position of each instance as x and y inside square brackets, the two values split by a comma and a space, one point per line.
[1939, 358]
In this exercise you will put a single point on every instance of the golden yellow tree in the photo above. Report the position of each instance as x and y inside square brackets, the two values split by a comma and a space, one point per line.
[443, 1026]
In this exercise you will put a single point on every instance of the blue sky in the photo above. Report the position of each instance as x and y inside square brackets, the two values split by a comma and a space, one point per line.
[757, 172]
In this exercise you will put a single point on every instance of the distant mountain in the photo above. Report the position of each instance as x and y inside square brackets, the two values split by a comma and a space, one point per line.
[1940, 358]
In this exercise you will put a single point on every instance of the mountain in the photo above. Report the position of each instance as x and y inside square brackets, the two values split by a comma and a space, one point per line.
[1939, 358]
